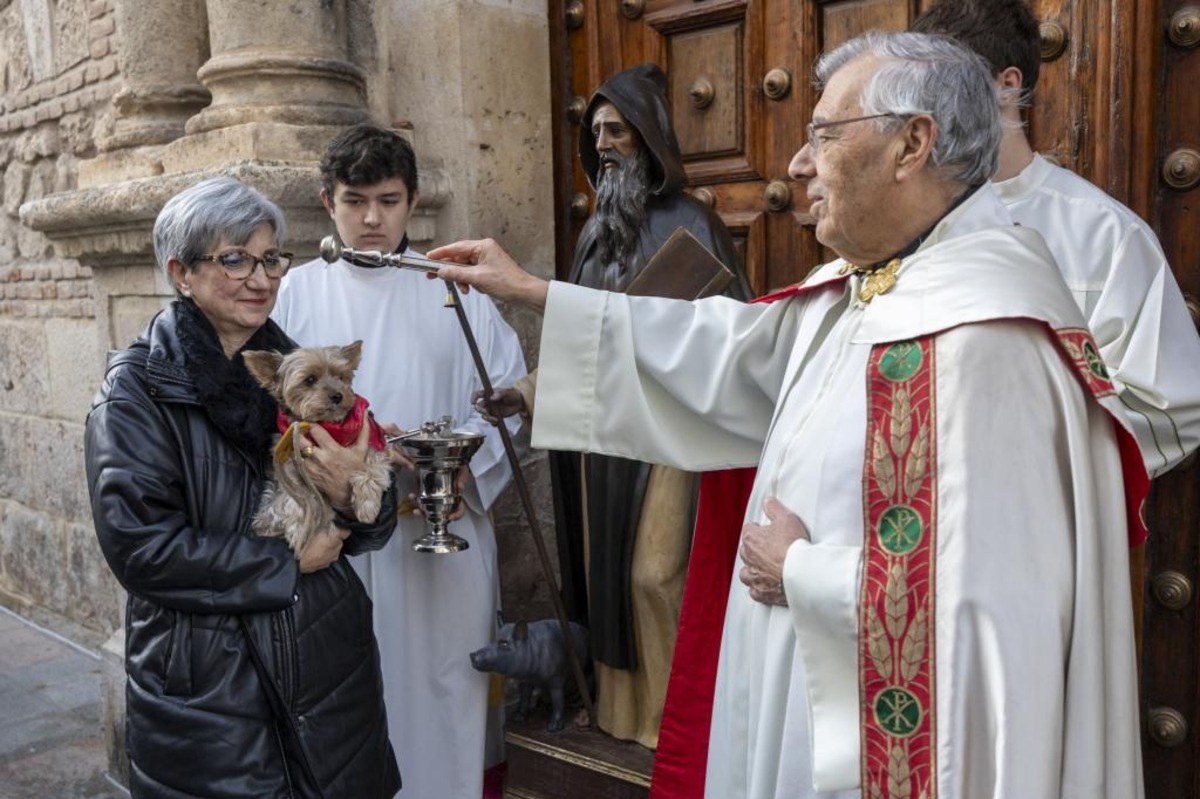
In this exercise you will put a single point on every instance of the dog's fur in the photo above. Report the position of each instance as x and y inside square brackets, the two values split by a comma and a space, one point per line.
[313, 385]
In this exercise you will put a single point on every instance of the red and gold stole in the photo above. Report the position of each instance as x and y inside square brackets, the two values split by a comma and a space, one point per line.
[898, 587]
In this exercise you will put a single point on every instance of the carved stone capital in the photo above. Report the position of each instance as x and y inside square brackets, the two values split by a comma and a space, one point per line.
[279, 63]
[160, 47]
[266, 86]
[110, 226]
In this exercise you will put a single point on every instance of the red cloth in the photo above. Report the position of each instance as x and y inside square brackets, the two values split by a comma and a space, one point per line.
[1076, 345]
[1137, 485]
[682, 754]
[493, 781]
[346, 431]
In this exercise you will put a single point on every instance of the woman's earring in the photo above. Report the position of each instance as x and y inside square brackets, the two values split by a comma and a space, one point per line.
[185, 291]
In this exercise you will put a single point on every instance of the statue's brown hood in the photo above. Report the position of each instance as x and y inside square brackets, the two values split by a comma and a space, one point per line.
[640, 94]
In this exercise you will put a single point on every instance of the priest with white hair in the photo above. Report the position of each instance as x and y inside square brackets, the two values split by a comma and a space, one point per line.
[931, 597]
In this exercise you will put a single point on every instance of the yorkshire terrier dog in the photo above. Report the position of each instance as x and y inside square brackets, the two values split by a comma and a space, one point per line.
[312, 385]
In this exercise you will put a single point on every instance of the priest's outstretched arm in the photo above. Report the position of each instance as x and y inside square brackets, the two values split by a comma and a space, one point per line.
[688, 384]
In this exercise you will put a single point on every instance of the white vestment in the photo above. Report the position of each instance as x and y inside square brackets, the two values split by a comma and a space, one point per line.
[431, 611]
[1030, 649]
[1113, 264]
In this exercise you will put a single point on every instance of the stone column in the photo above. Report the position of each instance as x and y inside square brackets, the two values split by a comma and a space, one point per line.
[279, 63]
[161, 47]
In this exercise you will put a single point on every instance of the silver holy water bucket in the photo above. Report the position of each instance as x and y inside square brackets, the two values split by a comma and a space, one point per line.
[439, 452]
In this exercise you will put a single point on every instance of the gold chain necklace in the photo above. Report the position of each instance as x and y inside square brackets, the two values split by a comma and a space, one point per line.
[878, 278]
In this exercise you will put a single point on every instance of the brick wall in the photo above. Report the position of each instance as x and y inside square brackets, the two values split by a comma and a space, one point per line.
[61, 288]
[56, 83]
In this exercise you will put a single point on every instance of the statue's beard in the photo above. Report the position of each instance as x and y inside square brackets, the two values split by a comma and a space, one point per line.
[621, 203]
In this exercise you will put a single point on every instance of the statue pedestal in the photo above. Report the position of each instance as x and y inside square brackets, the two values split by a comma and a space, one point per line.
[573, 762]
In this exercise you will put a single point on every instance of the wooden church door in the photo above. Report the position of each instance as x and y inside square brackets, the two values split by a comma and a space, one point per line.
[1116, 102]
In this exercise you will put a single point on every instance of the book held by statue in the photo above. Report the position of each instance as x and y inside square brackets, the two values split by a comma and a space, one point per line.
[682, 269]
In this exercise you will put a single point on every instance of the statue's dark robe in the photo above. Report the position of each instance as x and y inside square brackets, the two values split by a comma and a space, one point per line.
[615, 486]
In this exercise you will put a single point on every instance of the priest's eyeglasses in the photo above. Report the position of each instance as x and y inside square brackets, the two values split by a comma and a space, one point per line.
[814, 141]
[239, 265]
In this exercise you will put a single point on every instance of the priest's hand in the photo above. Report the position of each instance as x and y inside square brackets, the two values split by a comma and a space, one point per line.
[504, 402]
[485, 266]
[763, 550]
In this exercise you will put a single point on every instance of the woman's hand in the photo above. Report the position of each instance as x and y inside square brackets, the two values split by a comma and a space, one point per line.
[322, 550]
[329, 465]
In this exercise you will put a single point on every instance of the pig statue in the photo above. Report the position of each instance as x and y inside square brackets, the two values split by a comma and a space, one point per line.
[534, 655]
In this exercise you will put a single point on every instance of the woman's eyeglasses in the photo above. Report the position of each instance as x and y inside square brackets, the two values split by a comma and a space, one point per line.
[241, 265]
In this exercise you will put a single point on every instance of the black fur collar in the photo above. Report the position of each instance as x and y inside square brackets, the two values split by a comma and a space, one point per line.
[239, 407]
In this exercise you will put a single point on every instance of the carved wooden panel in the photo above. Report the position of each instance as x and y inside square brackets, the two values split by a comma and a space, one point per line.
[842, 21]
[749, 237]
[710, 48]
[706, 90]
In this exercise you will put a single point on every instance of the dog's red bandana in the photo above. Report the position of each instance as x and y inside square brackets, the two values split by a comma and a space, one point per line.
[344, 432]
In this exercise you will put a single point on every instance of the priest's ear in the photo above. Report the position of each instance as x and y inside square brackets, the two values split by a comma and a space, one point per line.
[915, 145]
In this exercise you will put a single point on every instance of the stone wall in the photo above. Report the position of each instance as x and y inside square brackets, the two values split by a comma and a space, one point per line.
[475, 87]
[108, 107]
[58, 76]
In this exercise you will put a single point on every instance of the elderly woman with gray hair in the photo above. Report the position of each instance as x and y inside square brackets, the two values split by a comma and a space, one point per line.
[252, 670]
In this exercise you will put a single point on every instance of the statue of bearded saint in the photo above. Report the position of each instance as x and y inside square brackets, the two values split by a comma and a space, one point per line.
[623, 527]
[621, 196]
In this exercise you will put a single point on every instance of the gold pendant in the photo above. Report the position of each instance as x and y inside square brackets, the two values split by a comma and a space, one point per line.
[880, 281]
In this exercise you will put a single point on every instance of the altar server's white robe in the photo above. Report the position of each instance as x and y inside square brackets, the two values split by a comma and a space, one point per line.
[1117, 272]
[431, 611]
[1033, 688]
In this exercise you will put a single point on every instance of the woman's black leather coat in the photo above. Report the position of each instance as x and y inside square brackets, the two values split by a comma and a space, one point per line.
[172, 499]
